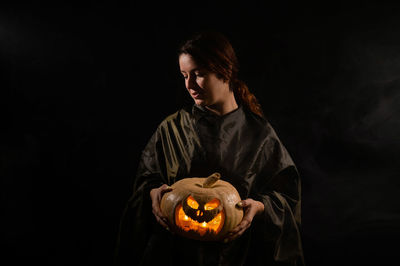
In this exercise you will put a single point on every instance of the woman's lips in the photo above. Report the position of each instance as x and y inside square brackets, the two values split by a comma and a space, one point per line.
[196, 95]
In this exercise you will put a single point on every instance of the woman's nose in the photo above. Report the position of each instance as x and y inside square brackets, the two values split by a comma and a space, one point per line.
[191, 83]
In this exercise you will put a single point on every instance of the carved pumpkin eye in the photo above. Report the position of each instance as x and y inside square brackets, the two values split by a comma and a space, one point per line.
[192, 202]
[212, 204]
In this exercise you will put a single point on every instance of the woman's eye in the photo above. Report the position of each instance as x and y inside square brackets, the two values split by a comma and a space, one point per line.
[199, 74]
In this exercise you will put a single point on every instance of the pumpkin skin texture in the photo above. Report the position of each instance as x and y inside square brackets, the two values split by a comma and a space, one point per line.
[202, 208]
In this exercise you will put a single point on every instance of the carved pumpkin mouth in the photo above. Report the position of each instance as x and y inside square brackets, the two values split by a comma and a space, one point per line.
[200, 218]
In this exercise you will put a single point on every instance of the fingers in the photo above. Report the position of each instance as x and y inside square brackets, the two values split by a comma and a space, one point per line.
[156, 195]
[238, 230]
[156, 203]
[239, 204]
[160, 217]
[164, 189]
[241, 227]
[161, 220]
[249, 213]
[244, 203]
[157, 211]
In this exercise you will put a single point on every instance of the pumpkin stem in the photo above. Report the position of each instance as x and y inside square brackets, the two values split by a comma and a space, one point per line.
[210, 181]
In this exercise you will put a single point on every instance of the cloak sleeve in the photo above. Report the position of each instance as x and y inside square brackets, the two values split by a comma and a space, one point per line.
[136, 220]
[278, 187]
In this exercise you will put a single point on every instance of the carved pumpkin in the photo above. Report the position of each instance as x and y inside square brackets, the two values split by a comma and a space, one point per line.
[202, 208]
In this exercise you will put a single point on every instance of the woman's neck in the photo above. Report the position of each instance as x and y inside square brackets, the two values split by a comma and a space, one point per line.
[222, 108]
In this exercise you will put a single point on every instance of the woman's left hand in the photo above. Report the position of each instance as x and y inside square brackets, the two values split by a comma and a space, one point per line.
[251, 208]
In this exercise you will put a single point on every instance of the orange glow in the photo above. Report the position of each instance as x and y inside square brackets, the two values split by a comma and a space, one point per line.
[192, 202]
[211, 204]
[187, 224]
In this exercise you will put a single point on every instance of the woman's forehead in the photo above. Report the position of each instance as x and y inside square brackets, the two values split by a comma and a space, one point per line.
[187, 63]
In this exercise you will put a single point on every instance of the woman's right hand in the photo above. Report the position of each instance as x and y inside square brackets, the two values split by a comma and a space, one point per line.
[156, 195]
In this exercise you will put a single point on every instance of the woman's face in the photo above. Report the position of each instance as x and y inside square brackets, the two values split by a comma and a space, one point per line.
[203, 86]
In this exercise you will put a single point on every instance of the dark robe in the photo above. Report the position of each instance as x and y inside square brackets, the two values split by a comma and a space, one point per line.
[245, 150]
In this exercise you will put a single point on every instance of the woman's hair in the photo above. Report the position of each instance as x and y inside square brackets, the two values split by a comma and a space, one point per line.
[213, 51]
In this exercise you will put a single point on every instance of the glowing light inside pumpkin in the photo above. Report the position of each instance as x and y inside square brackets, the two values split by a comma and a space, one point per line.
[188, 224]
[192, 202]
[211, 205]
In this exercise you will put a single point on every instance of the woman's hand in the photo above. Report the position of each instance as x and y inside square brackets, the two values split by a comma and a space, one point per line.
[156, 195]
[251, 208]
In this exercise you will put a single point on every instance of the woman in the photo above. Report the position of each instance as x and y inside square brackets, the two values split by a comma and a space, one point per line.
[223, 131]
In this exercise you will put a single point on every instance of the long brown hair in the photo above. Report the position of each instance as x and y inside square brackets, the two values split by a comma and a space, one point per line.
[213, 51]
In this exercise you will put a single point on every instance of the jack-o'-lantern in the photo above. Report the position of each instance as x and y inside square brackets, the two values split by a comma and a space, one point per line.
[202, 208]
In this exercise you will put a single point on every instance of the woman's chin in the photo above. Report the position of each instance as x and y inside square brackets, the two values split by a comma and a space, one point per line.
[200, 102]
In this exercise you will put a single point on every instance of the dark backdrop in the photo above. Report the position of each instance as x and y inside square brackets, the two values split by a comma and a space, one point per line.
[84, 85]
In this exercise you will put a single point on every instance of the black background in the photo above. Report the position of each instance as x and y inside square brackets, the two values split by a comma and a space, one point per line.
[84, 85]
